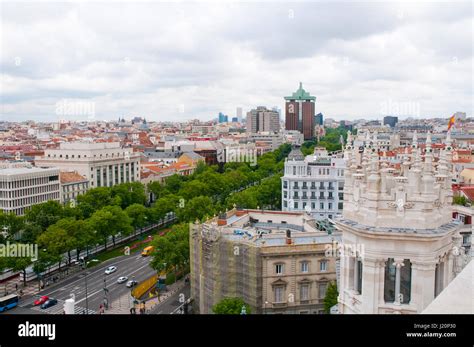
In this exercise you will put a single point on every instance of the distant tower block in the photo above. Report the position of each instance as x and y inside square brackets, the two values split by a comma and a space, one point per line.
[401, 215]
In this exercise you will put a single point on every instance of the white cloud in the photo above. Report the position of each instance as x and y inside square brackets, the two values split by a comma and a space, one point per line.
[149, 59]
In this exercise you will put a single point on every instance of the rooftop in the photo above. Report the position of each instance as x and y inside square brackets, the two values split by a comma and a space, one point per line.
[301, 94]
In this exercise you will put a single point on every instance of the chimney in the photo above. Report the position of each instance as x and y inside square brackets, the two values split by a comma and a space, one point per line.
[288, 236]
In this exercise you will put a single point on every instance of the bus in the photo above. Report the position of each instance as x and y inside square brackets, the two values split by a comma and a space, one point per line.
[147, 251]
[7, 302]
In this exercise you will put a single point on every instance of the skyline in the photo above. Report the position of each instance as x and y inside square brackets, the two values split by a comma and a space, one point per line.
[163, 61]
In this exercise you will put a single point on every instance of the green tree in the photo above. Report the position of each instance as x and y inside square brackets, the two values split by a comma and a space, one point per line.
[331, 297]
[231, 306]
[95, 199]
[45, 214]
[138, 215]
[460, 200]
[194, 188]
[196, 208]
[56, 241]
[171, 250]
[110, 221]
[12, 224]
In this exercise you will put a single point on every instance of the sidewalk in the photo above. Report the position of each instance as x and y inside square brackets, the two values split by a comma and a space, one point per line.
[16, 284]
[122, 304]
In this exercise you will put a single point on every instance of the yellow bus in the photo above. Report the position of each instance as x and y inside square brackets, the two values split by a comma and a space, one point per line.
[147, 251]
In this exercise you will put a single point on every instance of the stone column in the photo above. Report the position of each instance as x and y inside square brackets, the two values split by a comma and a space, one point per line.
[356, 273]
[398, 263]
[423, 283]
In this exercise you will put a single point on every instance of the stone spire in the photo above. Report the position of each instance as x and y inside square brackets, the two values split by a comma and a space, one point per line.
[414, 141]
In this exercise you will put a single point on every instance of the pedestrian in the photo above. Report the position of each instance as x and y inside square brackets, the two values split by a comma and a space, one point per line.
[16, 286]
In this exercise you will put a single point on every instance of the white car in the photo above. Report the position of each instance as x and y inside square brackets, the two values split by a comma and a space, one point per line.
[131, 283]
[110, 269]
[122, 279]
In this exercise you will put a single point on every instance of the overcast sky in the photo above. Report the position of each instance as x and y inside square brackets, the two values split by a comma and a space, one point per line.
[192, 60]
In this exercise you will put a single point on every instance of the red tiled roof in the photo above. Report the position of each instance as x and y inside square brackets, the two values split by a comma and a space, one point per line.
[70, 177]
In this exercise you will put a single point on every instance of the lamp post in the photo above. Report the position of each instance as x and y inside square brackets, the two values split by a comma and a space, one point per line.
[265, 307]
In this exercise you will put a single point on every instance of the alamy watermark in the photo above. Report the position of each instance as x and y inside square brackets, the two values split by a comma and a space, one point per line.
[67, 107]
[237, 155]
[19, 250]
[339, 250]
[396, 108]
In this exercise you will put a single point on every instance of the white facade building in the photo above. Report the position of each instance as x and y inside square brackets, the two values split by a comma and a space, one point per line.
[103, 164]
[399, 219]
[313, 184]
[23, 187]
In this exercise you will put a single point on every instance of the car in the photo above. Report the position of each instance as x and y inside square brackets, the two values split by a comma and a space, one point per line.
[41, 300]
[122, 279]
[131, 283]
[110, 270]
[49, 303]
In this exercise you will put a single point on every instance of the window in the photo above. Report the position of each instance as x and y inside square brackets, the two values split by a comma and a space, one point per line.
[390, 283]
[358, 287]
[321, 206]
[339, 205]
[322, 290]
[304, 292]
[285, 184]
[304, 266]
[279, 293]
[279, 269]
[295, 204]
[330, 206]
[323, 265]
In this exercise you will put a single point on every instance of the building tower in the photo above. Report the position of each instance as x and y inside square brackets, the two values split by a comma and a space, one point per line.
[399, 219]
[299, 112]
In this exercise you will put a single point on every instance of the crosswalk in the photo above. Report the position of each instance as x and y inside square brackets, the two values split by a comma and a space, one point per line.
[56, 309]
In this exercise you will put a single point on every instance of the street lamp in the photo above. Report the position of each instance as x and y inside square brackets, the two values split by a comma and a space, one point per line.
[265, 307]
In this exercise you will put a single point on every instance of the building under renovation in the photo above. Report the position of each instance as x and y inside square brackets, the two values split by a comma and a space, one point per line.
[277, 262]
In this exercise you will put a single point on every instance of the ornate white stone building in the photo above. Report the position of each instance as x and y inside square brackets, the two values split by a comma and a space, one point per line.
[313, 183]
[399, 217]
[103, 164]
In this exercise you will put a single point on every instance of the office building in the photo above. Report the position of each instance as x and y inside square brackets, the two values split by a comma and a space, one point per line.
[104, 164]
[262, 120]
[299, 112]
[24, 186]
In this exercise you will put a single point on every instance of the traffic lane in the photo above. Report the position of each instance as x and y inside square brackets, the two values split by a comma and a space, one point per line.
[115, 290]
[173, 302]
[95, 278]
[95, 281]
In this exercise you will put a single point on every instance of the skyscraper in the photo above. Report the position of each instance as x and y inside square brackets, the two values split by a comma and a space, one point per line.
[261, 119]
[223, 118]
[239, 114]
[299, 112]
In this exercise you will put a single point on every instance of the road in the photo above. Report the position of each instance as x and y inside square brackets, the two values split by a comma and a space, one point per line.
[169, 305]
[133, 266]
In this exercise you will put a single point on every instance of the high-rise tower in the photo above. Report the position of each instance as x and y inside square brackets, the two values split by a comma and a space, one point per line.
[299, 112]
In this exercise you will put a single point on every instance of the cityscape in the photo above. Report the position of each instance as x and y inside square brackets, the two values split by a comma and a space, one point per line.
[208, 169]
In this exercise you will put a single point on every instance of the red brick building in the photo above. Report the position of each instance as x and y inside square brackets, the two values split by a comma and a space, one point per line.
[299, 112]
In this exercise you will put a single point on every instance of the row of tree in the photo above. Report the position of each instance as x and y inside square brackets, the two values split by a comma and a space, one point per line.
[106, 212]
